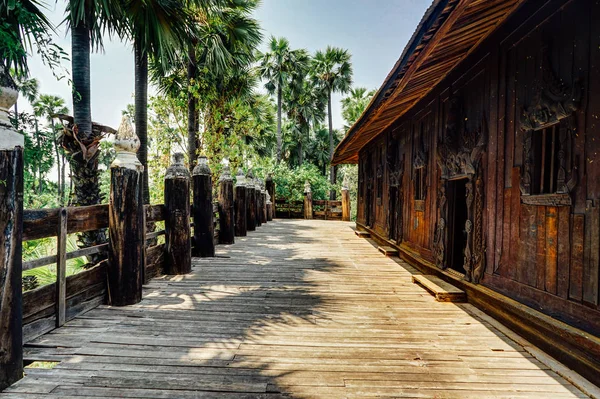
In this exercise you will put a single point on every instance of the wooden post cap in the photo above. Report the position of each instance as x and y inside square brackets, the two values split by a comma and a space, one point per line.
[307, 188]
[250, 179]
[177, 170]
[202, 168]
[240, 178]
[345, 182]
[126, 144]
[9, 137]
[226, 174]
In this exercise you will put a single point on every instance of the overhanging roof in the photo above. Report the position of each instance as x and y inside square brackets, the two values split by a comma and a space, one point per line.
[449, 31]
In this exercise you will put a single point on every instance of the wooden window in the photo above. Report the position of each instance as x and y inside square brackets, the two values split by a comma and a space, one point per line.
[546, 162]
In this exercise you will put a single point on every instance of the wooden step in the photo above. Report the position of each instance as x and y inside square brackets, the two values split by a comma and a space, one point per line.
[443, 291]
[362, 234]
[388, 251]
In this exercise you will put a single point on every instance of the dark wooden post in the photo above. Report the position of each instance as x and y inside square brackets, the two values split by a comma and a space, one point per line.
[178, 240]
[11, 232]
[204, 230]
[240, 204]
[251, 203]
[226, 211]
[270, 186]
[126, 220]
[263, 202]
[345, 200]
[257, 204]
[308, 212]
[269, 207]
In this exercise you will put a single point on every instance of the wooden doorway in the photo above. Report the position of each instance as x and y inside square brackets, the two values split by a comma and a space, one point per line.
[457, 219]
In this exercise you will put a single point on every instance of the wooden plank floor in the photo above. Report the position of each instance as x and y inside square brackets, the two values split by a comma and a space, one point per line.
[298, 309]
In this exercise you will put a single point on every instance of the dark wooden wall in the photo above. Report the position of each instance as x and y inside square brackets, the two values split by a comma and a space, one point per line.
[538, 250]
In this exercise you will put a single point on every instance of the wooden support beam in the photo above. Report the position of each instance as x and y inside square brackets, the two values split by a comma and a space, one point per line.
[126, 220]
[178, 233]
[11, 230]
[240, 204]
[270, 187]
[226, 208]
[251, 203]
[308, 202]
[204, 230]
[61, 268]
[441, 290]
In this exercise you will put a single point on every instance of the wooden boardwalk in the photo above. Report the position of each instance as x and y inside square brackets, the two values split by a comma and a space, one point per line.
[298, 309]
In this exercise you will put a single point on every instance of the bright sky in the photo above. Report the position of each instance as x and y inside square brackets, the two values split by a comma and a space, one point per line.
[374, 31]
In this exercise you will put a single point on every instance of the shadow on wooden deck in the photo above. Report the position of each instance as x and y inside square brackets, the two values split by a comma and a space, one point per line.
[298, 309]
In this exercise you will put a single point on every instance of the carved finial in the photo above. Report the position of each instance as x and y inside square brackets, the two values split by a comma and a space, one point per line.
[263, 186]
[268, 198]
[126, 144]
[9, 138]
[177, 168]
[307, 187]
[345, 182]
[240, 178]
[226, 173]
[269, 176]
[202, 168]
[250, 179]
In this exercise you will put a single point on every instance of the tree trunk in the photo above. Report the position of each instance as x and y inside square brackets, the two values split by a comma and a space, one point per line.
[141, 113]
[192, 105]
[279, 136]
[56, 152]
[331, 168]
[84, 171]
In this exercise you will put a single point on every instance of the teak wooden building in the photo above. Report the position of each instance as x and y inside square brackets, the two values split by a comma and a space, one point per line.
[479, 159]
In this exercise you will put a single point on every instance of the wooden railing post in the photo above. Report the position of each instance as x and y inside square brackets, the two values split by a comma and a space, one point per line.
[251, 203]
[270, 186]
[11, 231]
[126, 220]
[257, 202]
[308, 212]
[178, 243]
[345, 200]
[269, 207]
[61, 269]
[263, 202]
[240, 204]
[226, 211]
[204, 231]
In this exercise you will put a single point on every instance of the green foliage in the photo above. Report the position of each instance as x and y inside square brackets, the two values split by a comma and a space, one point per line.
[354, 105]
[289, 182]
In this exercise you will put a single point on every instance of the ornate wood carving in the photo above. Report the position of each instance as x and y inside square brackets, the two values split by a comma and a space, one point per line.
[554, 103]
[420, 163]
[458, 155]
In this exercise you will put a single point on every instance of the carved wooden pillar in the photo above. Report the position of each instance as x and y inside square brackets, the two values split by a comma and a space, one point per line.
[345, 200]
[226, 211]
[251, 203]
[126, 220]
[270, 186]
[308, 212]
[257, 204]
[240, 204]
[11, 232]
[177, 221]
[204, 241]
[269, 207]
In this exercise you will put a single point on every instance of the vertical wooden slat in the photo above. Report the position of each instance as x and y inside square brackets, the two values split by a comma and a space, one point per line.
[576, 272]
[564, 251]
[590, 254]
[537, 265]
[551, 249]
[61, 268]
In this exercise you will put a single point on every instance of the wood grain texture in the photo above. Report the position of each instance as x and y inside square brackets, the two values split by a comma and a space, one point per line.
[11, 231]
[298, 309]
[204, 231]
[241, 198]
[226, 212]
[178, 243]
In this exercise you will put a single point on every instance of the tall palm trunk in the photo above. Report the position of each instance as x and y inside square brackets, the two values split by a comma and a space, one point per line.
[39, 148]
[59, 183]
[84, 168]
[279, 136]
[192, 71]
[331, 168]
[141, 113]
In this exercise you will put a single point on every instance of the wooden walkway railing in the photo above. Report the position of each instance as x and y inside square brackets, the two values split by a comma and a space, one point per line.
[310, 208]
[130, 258]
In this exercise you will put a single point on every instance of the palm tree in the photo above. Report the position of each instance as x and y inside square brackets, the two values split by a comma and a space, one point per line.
[280, 67]
[28, 88]
[332, 69]
[50, 106]
[158, 28]
[87, 20]
[354, 105]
